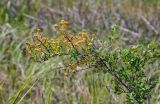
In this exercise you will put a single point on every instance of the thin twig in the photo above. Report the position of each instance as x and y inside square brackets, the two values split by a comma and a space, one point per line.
[149, 25]
[54, 55]
[129, 31]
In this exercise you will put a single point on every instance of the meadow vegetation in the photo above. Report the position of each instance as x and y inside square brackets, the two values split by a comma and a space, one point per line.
[79, 52]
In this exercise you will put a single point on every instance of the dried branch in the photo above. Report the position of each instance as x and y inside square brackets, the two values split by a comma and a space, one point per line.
[149, 25]
[130, 31]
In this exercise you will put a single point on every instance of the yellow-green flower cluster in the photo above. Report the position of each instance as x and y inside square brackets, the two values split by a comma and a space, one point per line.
[44, 47]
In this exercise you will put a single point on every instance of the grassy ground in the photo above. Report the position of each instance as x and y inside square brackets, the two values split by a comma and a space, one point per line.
[23, 81]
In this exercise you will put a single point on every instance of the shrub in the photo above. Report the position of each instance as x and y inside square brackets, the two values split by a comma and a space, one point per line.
[81, 51]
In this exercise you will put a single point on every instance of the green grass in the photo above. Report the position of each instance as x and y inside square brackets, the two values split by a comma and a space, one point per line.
[23, 81]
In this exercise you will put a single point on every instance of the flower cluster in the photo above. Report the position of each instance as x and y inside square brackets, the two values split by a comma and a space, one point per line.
[66, 43]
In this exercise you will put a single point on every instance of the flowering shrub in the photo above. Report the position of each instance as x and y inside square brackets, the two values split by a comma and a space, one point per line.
[74, 46]
[125, 65]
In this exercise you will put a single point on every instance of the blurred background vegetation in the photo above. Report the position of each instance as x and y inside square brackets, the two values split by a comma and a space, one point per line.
[26, 82]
